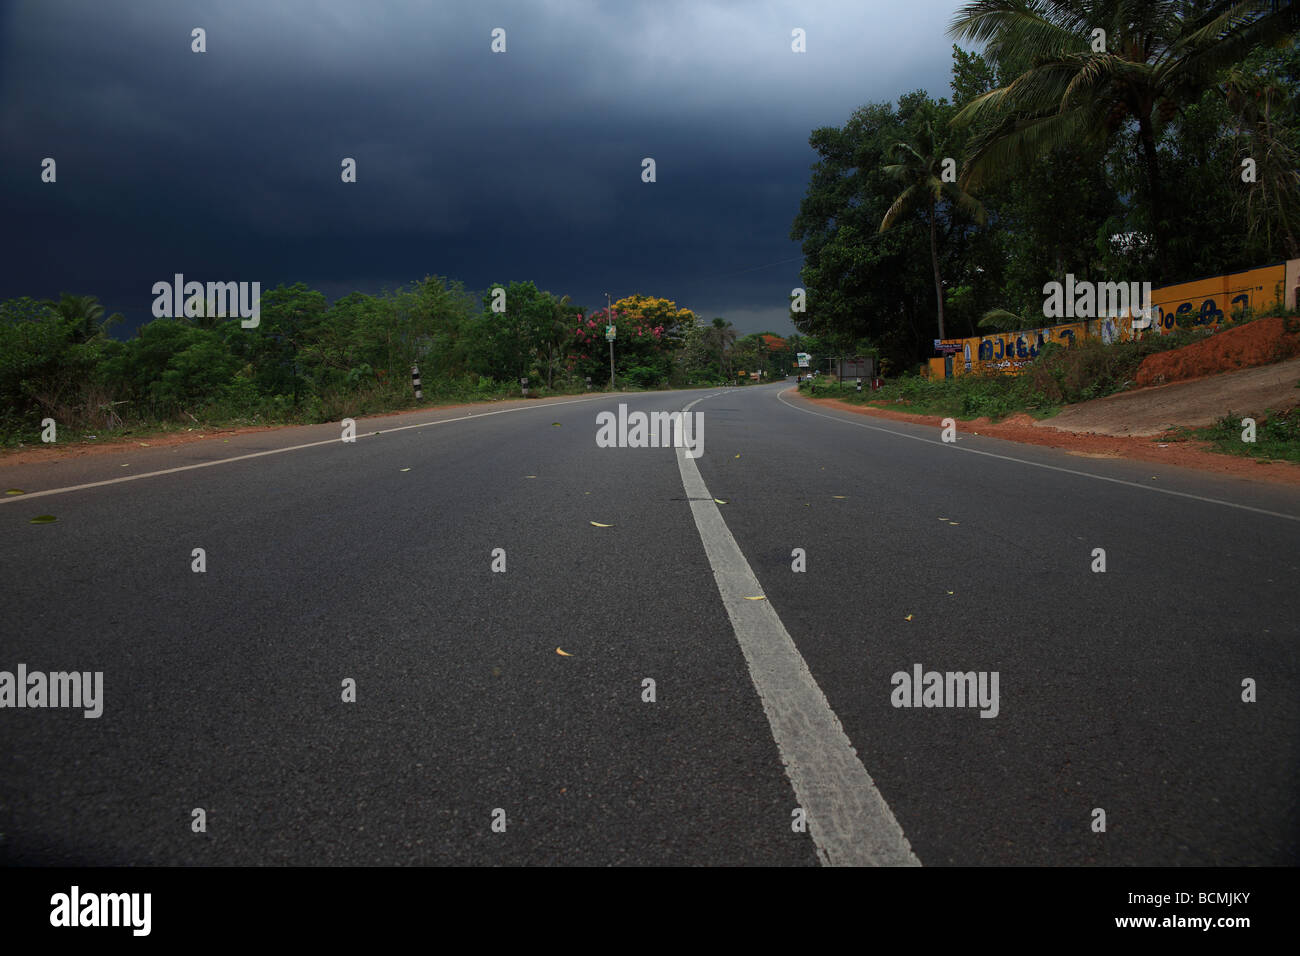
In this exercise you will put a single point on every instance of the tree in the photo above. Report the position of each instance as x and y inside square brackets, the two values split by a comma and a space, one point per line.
[696, 359]
[507, 343]
[642, 352]
[84, 315]
[555, 342]
[859, 281]
[920, 170]
[719, 336]
[1095, 66]
[289, 315]
[1263, 104]
[653, 312]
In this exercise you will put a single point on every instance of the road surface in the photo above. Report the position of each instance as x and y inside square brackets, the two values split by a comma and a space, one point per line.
[773, 737]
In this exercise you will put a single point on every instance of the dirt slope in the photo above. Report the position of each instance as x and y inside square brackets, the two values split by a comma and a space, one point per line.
[1022, 428]
[1152, 411]
[1255, 343]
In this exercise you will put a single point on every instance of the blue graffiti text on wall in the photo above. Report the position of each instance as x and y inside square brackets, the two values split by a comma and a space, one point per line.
[998, 348]
[1208, 314]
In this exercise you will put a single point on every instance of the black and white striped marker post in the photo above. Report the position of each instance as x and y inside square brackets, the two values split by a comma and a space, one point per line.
[415, 381]
[523, 382]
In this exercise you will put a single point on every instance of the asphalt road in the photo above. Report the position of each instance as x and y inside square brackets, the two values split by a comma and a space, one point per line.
[223, 690]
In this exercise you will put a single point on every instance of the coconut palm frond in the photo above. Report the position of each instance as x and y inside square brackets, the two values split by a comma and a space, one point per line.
[1000, 320]
[900, 205]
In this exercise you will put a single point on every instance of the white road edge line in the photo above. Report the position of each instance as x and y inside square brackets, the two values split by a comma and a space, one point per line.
[277, 451]
[849, 820]
[1039, 464]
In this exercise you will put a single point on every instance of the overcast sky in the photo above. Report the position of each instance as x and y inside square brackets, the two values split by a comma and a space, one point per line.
[526, 165]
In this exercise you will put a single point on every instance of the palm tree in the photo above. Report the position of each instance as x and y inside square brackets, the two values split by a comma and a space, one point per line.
[558, 335]
[1156, 56]
[720, 336]
[1273, 200]
[920, 170]
[84, 315]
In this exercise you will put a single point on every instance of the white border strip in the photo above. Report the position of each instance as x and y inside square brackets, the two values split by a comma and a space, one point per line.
[1039, 464]
[8, 500]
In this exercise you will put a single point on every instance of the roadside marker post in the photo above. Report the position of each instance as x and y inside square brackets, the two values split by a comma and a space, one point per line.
[415, 381]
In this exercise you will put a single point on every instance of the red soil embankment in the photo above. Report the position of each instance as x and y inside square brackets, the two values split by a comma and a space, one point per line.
[1022, 428]
[1255, 343]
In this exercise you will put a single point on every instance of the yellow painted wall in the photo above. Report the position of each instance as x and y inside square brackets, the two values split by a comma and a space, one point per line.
[1207, 301]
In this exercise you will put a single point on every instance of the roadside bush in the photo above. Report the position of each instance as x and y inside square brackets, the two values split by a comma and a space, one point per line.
[1092, 369]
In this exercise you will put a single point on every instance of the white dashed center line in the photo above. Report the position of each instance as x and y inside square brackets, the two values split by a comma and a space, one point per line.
[849, 820]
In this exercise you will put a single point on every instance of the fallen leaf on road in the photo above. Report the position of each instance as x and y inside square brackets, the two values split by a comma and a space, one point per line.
[597, 524]
[950, 592]
[530, 476]
[839, 496]
[908, 618]
[406, 469]
[954, 522]
[143, 444]
[943, 519]
[44, 519]
[563, 653]
[719, 501]
[556, 424]
[15, 491]
[759, 598]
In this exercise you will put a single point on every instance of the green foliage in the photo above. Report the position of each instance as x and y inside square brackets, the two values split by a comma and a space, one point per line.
[311, 361]
[1277, 436]
[641, 342]
[1058, 376]
[48, 355]
[1064, 90]
[643, 376]
[1171, 111]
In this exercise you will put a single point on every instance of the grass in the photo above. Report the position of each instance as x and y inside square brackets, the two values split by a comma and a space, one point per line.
[333, 405]
[141, 424]
[1277, 436]
[966, 397]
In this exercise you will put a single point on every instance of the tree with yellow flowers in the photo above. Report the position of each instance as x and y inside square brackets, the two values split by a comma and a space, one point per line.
[655, 313]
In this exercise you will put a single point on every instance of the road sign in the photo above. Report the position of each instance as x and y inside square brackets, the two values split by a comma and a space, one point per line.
[804, 359]
[609, 333]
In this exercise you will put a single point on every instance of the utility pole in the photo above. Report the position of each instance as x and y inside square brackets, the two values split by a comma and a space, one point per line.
[609, 317]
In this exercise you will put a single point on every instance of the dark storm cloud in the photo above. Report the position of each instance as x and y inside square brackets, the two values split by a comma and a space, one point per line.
[482, 167]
